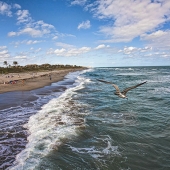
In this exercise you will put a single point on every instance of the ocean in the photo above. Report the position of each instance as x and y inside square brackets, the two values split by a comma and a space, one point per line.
[79, 124]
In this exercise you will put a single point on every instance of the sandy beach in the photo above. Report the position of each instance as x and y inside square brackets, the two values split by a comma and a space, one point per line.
[31, 80]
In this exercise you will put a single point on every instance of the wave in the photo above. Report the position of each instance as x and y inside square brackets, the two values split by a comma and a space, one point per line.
[161, 90]
[122, 69]
[58, 120]
[160, 79]
[129, 74]
[103, 148]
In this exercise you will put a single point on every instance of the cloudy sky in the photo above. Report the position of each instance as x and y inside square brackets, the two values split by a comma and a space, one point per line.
[85, 32]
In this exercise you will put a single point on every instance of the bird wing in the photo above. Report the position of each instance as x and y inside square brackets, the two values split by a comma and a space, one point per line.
[132, 87]
[114, 85]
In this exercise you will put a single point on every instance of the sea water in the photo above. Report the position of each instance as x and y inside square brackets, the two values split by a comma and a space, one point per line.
[79, 123]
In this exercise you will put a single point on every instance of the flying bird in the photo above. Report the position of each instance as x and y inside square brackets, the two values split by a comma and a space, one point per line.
[121, 94]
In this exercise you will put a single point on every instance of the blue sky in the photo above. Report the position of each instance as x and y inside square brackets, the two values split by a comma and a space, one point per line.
[84, 32]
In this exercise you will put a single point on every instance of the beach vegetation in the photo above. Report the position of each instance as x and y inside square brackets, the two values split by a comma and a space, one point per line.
[15, 63]
[16, 68]
[5, 63]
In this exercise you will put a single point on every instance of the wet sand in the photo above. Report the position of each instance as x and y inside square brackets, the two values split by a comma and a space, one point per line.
[32, 80]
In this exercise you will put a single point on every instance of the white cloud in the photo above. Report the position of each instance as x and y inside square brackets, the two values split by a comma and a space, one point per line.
[42, 24]
[158, 39]
[84, 25]
[33, 51]
[30, 31]
[129, 50]
[146, 52]
[3, 47]
[131, 18]
[134, 50]
[23, 16]
[166, 56]
[29, 42]
[64, 45]
[12, 33]
[35, 30]
[31, 27]
[5, 9]
[20, 57]
[60, 51]
[149, 55]
[16, 6]
[145, 49]
[4, 53]
[69, 52]
[38, 50]
[55, 38]
[155, 35]
[78, 2]
[100, 46]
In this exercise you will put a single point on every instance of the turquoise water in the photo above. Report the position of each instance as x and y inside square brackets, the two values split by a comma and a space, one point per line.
[88, 127]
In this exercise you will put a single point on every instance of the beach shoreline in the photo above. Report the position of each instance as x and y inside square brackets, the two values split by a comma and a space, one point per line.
[32, 80]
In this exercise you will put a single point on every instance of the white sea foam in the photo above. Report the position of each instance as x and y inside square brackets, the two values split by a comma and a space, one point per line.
[103, 148]
[57, 121]
[131, 69]
[129, 74]
[122, 69]
[161, 90]
[160, 79]
[89, 70]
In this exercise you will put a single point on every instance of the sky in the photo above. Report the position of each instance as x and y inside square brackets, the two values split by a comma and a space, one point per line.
[93, 33]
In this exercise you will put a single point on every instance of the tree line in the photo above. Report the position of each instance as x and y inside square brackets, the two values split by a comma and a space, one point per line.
[32, 67]
[15, 63]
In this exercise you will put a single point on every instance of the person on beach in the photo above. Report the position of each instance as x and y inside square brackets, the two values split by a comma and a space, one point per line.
[23, 82]
[50, 76]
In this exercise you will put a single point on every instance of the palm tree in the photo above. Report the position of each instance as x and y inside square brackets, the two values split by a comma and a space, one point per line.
[15, 63]
[6, 63]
